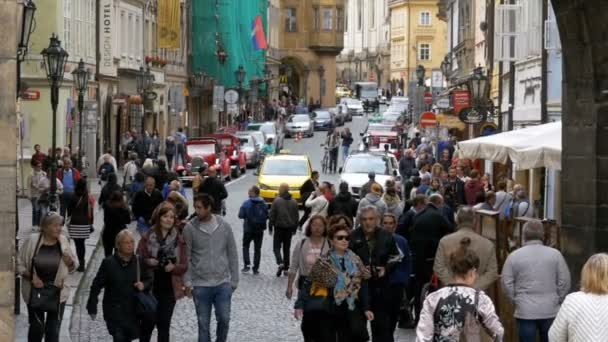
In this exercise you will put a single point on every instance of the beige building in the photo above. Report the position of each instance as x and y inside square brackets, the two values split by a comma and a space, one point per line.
[311, 36]
[417, 37]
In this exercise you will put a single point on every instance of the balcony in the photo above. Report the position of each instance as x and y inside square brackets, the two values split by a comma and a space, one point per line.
[330, 42]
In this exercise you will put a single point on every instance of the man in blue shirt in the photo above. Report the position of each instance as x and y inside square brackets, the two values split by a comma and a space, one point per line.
[400, 277]
[68, 176]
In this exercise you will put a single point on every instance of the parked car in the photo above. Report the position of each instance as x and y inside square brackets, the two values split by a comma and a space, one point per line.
[300, 123]
[354, 106]
[249, 145]
[359, 164]
[342, 91]
[230, 145]
[382, 141]
[272, 130]
[259, 136]
[200, 152]
[324, 120]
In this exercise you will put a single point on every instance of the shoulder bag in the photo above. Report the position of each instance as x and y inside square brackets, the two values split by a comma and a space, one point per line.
[145, 302]
[323, 273]
[46, 298]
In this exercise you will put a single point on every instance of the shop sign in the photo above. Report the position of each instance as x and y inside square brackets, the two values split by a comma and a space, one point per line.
[30, 95]
[443, 103]
[106, 38]
[472, 115]
[461, 99]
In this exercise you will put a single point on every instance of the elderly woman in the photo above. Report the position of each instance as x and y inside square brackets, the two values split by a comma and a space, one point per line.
[44, 261]
[120, 275]
[582, 316]
[304, 255]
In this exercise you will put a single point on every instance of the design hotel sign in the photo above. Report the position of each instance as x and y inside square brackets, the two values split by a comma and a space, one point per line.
[106, 32]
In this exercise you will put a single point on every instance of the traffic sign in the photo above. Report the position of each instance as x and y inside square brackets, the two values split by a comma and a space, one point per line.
[443, 103]
[428, 119]
[231, 96]
[428, 98]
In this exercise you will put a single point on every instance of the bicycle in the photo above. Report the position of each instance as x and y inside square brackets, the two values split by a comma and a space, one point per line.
[325, 160]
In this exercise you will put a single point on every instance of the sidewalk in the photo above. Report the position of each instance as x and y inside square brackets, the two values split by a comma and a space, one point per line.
[25, 228]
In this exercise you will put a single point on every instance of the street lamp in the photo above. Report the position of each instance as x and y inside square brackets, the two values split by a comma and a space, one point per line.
[446, 67]
[478, 84]
[54, 57]
[306, 74]
[27, 20]
[240, 74]
[321, 72]
[81, 77]
[420, 71]
[199, 80]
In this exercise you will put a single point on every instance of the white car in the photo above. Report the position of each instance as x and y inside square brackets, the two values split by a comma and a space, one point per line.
[300, 123]
[359, 165]
[354, 106]
[272, 131]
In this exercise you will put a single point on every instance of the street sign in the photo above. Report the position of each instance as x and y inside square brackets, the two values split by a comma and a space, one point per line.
[472, 115]
[428, 119]
[428, 98]
[218, 98]
[231, 96]
[30, 95]
[232, 108]
[443, 103]
[436, 79]
[461, 100]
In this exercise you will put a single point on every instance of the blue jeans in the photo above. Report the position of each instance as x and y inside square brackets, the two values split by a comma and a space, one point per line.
[36, 212]
[220, 298]
[527, 329]
[344, 153]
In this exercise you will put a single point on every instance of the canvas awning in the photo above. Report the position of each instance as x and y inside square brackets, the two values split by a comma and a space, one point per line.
[528, 148]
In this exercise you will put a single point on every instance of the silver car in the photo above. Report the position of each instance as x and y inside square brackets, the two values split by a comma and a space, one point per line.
[271, 130]
[300, 123]
[358, 165]
[249, 145]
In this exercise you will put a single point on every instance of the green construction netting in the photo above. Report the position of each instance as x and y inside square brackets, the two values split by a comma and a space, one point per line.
[234, 26]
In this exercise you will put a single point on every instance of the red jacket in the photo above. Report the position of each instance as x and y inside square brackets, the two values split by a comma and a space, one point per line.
[471, 189]
[75, 175]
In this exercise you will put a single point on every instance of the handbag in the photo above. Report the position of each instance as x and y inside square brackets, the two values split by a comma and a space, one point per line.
[318, 298]
[471, 329]
[145, 302]
[46, 298]
[323, 273]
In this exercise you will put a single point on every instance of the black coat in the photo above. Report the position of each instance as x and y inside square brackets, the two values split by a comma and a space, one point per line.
[144, 204]
[307, 188]
[216, 189]
[429, 227]
[406, 222]
[106, 191]
[406, 165]
[457, 191]
[116, 277]
[343, 203]
[384, 254]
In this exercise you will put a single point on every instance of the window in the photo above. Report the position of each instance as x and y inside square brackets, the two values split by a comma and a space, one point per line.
[340, 19]
[507, 33]
[328, 18]
[372, 16]
[359, 14]
[425, 18]
[67, 25]
[290, 20]
[316, 19]
[424, 52]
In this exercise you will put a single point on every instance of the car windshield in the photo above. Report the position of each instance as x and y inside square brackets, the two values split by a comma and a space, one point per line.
[379, 165]
[386, 128]
[253, 127]
[246, 142]
[301, 110]
[267, 128]
[277, 167]
[391, 116]
[299, 118]
[259, 137]
[200, 149]
[352, 102]
[322, 115]
[399, 100]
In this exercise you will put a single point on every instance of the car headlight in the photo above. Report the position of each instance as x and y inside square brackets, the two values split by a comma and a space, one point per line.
[264, 187]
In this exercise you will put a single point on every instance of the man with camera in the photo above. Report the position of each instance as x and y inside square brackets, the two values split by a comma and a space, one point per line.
[378, 251]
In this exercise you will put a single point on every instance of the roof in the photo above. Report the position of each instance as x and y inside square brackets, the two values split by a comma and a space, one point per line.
[287, 157]
[383, 133]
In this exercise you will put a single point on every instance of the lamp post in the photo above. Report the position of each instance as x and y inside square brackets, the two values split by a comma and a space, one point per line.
[420, 71]
[81, 77]
[306, 74]
[27, 20]
[198, 81]
[145, 80]
[321, 72]
[478, 84]
[267, 79]
[446, 67]
[240, 74]
[54, 57]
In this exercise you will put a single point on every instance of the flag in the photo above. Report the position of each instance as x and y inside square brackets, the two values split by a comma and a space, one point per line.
[258, 37]
[168, 29]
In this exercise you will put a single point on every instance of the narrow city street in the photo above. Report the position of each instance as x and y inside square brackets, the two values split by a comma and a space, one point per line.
[260, 311]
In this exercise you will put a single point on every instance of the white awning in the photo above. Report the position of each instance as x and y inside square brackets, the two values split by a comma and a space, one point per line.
[528, 148]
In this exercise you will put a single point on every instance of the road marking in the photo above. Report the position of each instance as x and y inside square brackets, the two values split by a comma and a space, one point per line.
[236, 180]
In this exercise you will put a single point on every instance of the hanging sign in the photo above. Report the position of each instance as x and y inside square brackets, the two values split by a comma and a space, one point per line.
[472, 115]
[231, 96]
[106, 38]
[461, 99]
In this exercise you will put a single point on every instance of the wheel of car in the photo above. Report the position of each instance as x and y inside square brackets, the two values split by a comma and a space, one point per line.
[244, 170]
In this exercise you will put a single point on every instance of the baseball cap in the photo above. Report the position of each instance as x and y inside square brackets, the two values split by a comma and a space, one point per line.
[372, 174]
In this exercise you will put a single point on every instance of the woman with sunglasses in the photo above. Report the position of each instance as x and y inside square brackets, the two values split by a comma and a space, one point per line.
[348, 301]
[304, 255]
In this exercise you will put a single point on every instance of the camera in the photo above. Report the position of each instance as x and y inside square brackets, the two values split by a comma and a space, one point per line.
[166, 257]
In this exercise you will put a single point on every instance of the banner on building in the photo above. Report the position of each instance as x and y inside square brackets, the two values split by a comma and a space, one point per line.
[258, 38]
[106, 38]
[168, 24]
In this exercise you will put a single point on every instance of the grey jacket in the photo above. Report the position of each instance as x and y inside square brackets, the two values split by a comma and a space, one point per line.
[284, 212]
[536, 279]
[374, 200]
[212, 253]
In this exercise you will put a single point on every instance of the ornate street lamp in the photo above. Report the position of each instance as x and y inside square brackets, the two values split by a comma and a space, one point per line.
[446, 67]
[139, 78]
[148, 80]
[55, 58]
[27, 21]
[420, 71]
[81, 78]
[478, 85]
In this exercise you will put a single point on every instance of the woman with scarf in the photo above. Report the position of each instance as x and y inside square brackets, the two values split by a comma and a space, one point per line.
[345, 306]
[164, 250]
[391, 198]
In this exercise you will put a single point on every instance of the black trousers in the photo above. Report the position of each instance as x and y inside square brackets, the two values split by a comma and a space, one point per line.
[164, 312]
[44, 327]
[395, 296]
[109, 241]
[317, 326]
[169, 161]
[350, 326]
[282, 238]
[80, 250]
[333, 159]
[257, 238]
[381, 307]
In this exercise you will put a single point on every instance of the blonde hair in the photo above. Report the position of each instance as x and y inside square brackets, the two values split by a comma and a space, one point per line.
[51, 217]
[594, 276]
[123, 234]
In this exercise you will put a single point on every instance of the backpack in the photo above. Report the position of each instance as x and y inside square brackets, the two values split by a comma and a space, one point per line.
[105, 170]
[258, 214]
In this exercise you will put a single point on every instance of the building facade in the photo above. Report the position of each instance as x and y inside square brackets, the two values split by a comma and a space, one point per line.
[311, 36]
[417, 37]
[366, 54]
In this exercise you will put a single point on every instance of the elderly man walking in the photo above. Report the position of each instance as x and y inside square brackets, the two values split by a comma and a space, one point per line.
[487, 273]
[536, 279]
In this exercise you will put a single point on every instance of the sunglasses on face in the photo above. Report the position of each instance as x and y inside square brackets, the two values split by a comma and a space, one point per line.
[342, 237]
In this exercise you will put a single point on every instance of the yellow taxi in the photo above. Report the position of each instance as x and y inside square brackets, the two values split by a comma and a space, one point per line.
[342, 91]
[283, 168]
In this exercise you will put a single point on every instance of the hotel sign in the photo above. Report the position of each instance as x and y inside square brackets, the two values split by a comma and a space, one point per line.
[106, 40]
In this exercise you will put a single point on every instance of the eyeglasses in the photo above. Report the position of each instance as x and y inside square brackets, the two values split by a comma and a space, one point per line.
[342, 237]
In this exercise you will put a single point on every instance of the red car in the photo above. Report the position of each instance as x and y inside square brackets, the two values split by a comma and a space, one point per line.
[201, 151]
[378, 139]
[230, 145]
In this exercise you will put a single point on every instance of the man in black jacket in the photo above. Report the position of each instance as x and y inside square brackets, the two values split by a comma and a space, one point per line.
[214, 188]
[377, 249]
[283, 220]
[344, 203]
[407, 220]
[407, 164]
[145, 201]
[306, 190]
[457, 187]
[429, 227]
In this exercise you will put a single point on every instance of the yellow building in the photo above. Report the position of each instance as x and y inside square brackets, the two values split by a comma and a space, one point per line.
[418, 37]
[311, 36]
